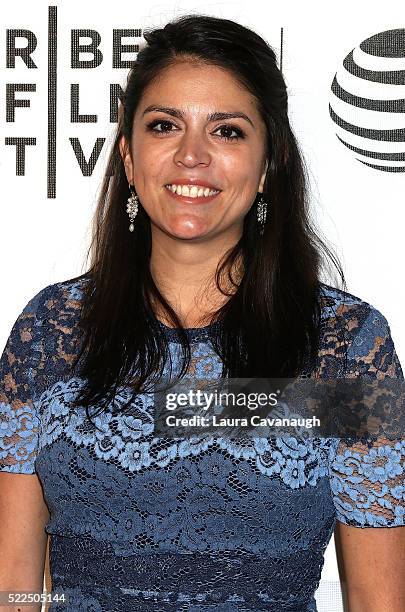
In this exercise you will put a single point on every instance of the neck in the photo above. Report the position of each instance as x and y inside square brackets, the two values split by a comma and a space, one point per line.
[184, 272]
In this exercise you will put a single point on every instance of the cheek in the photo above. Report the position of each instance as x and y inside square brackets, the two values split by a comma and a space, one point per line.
[150, 165]
[239, 168]
[244, 197]
[146, 172]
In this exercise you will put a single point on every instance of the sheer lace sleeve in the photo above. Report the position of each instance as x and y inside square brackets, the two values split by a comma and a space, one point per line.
[19, 422]
[367, 479]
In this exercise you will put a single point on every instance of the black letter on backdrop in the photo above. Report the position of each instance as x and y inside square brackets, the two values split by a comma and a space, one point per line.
[116, 92]
[119, 48]
[78, 48]
[12, 103]
[75, 116]
[87, 167]
[20, 144]
[23, 52]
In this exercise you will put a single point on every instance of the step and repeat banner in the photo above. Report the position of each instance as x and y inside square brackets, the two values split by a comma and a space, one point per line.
[63, 68]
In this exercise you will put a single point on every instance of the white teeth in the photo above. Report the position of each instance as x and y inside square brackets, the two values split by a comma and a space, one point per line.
[192, 191]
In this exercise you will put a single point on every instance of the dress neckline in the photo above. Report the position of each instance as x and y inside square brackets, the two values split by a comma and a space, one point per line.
[194, 334]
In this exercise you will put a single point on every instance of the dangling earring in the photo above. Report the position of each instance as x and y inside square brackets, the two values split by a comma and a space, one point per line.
[261, 214]
[132, 207]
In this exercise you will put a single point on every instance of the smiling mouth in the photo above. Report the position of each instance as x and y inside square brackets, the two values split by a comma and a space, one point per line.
[194, 195]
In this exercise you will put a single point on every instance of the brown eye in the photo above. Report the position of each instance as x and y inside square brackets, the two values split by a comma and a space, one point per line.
[167, 124]
[228, 129]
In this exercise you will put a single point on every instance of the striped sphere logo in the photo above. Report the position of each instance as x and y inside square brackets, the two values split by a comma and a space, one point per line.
[368, 101]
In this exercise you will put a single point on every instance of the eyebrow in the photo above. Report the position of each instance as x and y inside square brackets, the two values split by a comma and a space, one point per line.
[215, 116]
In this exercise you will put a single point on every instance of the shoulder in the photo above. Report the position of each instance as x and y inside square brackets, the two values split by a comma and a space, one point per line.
[50, 318]
[363, 330]
[48, 332]
[56, 299]
[350, 309]
[336, 300]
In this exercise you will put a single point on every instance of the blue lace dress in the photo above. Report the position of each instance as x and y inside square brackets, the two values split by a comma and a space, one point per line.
[139, 522]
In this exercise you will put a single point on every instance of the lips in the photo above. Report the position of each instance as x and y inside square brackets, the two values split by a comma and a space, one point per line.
[190, 200]
[192, 181]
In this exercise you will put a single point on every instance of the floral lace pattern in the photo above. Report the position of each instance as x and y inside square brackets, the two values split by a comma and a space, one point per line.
[205, 524]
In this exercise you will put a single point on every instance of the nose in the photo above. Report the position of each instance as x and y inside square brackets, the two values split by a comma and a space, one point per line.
[192, 149]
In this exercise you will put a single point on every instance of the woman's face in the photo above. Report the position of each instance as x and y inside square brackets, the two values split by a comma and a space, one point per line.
[186, 143]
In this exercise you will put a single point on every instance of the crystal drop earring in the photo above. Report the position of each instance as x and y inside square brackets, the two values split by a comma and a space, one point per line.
[261, 214]
[132, 207]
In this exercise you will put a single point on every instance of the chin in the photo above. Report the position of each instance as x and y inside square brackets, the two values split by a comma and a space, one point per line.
[184, 230]
[187, 235]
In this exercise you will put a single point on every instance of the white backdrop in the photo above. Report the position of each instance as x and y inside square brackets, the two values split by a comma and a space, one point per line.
[46, 206]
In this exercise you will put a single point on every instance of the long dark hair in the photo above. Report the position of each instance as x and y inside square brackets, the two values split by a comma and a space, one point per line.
[269, 326]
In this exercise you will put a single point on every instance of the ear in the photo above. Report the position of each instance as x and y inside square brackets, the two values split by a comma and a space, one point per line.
[126, 158]
[263, 178]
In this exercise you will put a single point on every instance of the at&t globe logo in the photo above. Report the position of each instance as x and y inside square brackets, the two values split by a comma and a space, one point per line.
[368, 101]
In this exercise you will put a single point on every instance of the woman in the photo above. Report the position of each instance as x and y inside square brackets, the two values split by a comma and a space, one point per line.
[211, 269]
